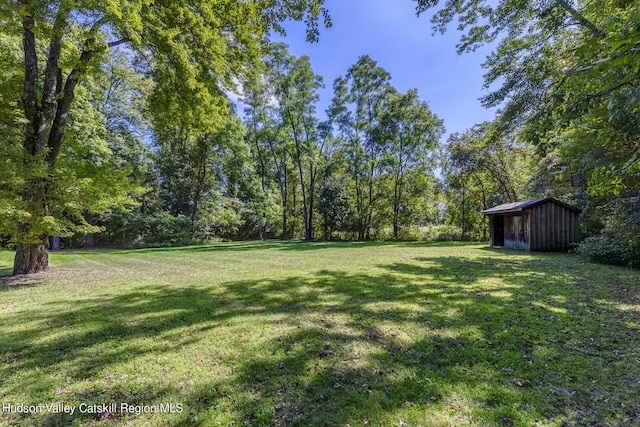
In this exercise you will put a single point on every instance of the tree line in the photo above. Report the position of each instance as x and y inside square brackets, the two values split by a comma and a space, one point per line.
[118, 128]
[273, 169]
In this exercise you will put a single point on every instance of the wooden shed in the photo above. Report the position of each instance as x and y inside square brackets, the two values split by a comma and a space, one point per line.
[535, 225]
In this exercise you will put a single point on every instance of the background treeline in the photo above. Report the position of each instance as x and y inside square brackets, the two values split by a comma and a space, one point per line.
[138, 170]
[273, 169]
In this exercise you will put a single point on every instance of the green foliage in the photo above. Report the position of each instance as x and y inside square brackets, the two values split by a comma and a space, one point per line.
[144, 229]
[365, 170]
[202, 175]
[566, 76]
[61, 142]
[356, 110]
[411, 133]
[334, 209]
[88, 177]
[483, 168]
[619, 240]
[295, 87]
[201, 49]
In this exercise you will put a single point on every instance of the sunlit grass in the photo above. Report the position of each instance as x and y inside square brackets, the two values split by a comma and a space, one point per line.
[280, 333]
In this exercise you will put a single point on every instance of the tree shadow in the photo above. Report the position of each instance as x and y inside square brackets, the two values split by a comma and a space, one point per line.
[481, 339]
[9, 282]
[283, 245]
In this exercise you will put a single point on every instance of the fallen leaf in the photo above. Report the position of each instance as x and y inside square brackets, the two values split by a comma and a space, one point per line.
[563, 391]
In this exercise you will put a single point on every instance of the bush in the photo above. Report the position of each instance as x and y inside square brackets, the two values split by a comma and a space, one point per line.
[607, 250]
[134, 229]
[619, 241]
[444, 233]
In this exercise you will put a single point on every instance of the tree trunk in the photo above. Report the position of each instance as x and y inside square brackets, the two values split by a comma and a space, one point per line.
[55, 244]
[396, 205]
[285, 194]
[484, 207]
[312, 191]
[31, 258]
[305, 211]
[89, 241]
[464, 219]
[46, 123]
[89, 238]
[203, 157]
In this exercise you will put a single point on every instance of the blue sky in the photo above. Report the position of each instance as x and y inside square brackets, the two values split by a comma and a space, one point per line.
[390, 32]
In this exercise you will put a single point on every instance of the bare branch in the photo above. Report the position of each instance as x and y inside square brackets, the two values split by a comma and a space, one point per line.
[119, 42]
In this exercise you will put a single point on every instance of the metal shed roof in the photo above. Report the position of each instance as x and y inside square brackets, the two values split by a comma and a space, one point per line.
[519, 206]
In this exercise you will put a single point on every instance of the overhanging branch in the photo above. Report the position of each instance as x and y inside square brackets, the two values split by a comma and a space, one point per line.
[580, 18]
[119, 42]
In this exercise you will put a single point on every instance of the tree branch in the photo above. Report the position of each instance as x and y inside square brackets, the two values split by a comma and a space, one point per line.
[580, 18]
[52, 76]
[30, 93]
[50, 88]
[119, 42]
[56, 136]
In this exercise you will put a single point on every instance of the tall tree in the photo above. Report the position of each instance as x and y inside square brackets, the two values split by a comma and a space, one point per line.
[296, 89]
[356, 109]
[88, 178]
[267, 137]
[196, 51]
[260, 122]
[412, 132]
[482, 168]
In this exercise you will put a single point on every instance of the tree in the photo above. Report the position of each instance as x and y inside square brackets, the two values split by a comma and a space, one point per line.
[195, 49]
[296, 91]
[557, 62]
[356, 108]
[270, 147]
[88, 177]
[411, 131]
[483, 168]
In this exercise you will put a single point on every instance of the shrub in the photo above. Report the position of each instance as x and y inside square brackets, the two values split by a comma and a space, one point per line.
[619, 240]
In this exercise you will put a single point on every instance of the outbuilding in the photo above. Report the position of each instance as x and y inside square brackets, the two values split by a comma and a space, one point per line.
[534, 225]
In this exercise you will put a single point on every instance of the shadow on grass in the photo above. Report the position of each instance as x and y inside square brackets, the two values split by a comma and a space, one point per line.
[9, 282]
[506, 342]
[283, 245]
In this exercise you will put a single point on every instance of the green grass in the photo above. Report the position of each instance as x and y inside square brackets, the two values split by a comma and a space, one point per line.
[323, 334]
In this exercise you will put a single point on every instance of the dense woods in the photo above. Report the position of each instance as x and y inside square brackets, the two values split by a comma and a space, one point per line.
[118, 128]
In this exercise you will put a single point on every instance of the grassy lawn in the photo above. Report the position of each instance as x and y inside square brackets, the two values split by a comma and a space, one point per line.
[322, 334]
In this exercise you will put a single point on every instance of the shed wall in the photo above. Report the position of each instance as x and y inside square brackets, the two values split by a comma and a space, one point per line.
[553, 227]
[517, 237]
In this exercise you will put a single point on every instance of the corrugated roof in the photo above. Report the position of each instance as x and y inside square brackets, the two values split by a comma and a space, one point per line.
[519, 206]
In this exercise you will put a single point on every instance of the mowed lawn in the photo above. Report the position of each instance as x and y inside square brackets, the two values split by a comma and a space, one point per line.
[277, 333]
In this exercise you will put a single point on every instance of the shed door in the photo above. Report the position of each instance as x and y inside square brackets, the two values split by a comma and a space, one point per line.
[498, 230]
